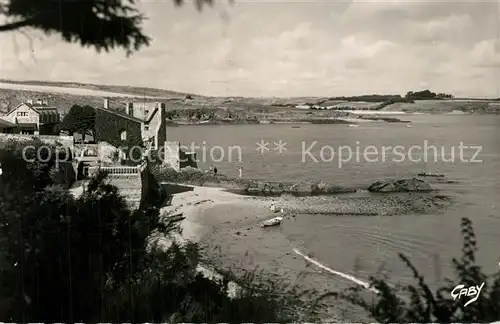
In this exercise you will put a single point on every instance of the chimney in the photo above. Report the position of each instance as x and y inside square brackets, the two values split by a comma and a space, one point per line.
[38, 101]
[29, 101]
[106, 103]
[130, 109]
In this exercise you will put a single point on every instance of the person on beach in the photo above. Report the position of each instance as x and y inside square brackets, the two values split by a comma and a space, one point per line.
[211, 168]
[241, 172]
[215, 170]
[273, 207]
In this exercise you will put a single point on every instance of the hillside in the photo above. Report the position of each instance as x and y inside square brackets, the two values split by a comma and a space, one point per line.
[447, 106]
[9, 99]
[65, 94]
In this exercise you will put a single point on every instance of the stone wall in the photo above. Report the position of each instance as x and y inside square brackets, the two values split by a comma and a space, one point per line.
[172, 155]
[109, 127]
[129, 187]
[67, 141]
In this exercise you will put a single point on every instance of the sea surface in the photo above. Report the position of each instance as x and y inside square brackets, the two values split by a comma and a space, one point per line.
[363, 246]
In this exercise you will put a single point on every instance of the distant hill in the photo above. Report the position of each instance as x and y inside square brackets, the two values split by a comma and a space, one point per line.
[65, 94]
[138, 91]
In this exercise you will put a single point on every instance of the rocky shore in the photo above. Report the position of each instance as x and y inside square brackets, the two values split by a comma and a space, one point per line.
[385, 119]
[197, 177]
[226, 224]
[312, 120]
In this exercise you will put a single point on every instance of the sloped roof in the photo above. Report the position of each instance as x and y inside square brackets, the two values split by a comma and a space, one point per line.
[6, 124]
[37, 108]
[48, 116]
[120, 114]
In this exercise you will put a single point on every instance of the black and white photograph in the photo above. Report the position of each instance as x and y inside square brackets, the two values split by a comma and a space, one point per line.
[249, 161]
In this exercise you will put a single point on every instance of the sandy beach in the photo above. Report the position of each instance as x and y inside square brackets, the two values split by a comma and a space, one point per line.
[225, 225]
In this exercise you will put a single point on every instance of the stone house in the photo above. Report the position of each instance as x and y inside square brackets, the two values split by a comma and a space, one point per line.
[141, 124]
[36, 118]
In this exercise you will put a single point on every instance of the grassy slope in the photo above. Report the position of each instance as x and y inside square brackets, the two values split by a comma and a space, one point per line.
[9, 99]
[447, 106]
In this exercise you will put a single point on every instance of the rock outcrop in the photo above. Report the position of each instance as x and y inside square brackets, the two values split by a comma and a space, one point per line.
[317, 188]
[403, 185]
[196, 177]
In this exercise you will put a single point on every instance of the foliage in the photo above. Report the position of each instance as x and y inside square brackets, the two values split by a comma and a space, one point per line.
[372, 98]
[198, 114]
[80, 119]
[31, 161]
[104, 25]
[427, 95]
[90, 259]
[419, 304]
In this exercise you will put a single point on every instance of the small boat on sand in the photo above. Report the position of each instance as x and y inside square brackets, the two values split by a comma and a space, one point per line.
[272, 222]
[409, 125]
[353, 125]
[430, 174]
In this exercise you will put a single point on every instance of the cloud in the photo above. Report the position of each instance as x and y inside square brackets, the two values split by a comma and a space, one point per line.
[285, 49]
[486, 53]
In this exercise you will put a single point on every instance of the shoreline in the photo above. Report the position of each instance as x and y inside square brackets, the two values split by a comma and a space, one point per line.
[225, 227]
[192, 205]
[313, 121]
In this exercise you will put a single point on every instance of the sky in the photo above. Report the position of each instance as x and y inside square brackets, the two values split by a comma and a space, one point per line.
[286, 48]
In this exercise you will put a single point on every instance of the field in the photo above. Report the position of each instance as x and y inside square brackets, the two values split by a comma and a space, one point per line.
[446, 106]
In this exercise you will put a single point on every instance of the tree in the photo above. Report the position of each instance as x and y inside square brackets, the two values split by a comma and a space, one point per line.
[102, 24]
[170, 115]
[28, 165]
[80, 119]
[419, 304]
[199, 114]
[90, 259]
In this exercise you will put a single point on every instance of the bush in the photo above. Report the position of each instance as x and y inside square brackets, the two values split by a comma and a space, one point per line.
[22, 168]
[90, 260]
[419, 304]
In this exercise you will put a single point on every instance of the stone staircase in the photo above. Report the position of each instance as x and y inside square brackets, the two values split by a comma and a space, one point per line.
[129, 186]
[127, 180]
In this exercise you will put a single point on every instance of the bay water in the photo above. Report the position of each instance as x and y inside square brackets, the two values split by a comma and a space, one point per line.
[466, 149]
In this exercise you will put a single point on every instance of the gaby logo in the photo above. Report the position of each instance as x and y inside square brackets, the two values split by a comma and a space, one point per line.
[472, 291]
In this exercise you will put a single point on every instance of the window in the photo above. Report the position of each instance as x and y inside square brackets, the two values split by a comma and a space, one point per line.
[123, 135]
[22, 114]
[146, 127]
